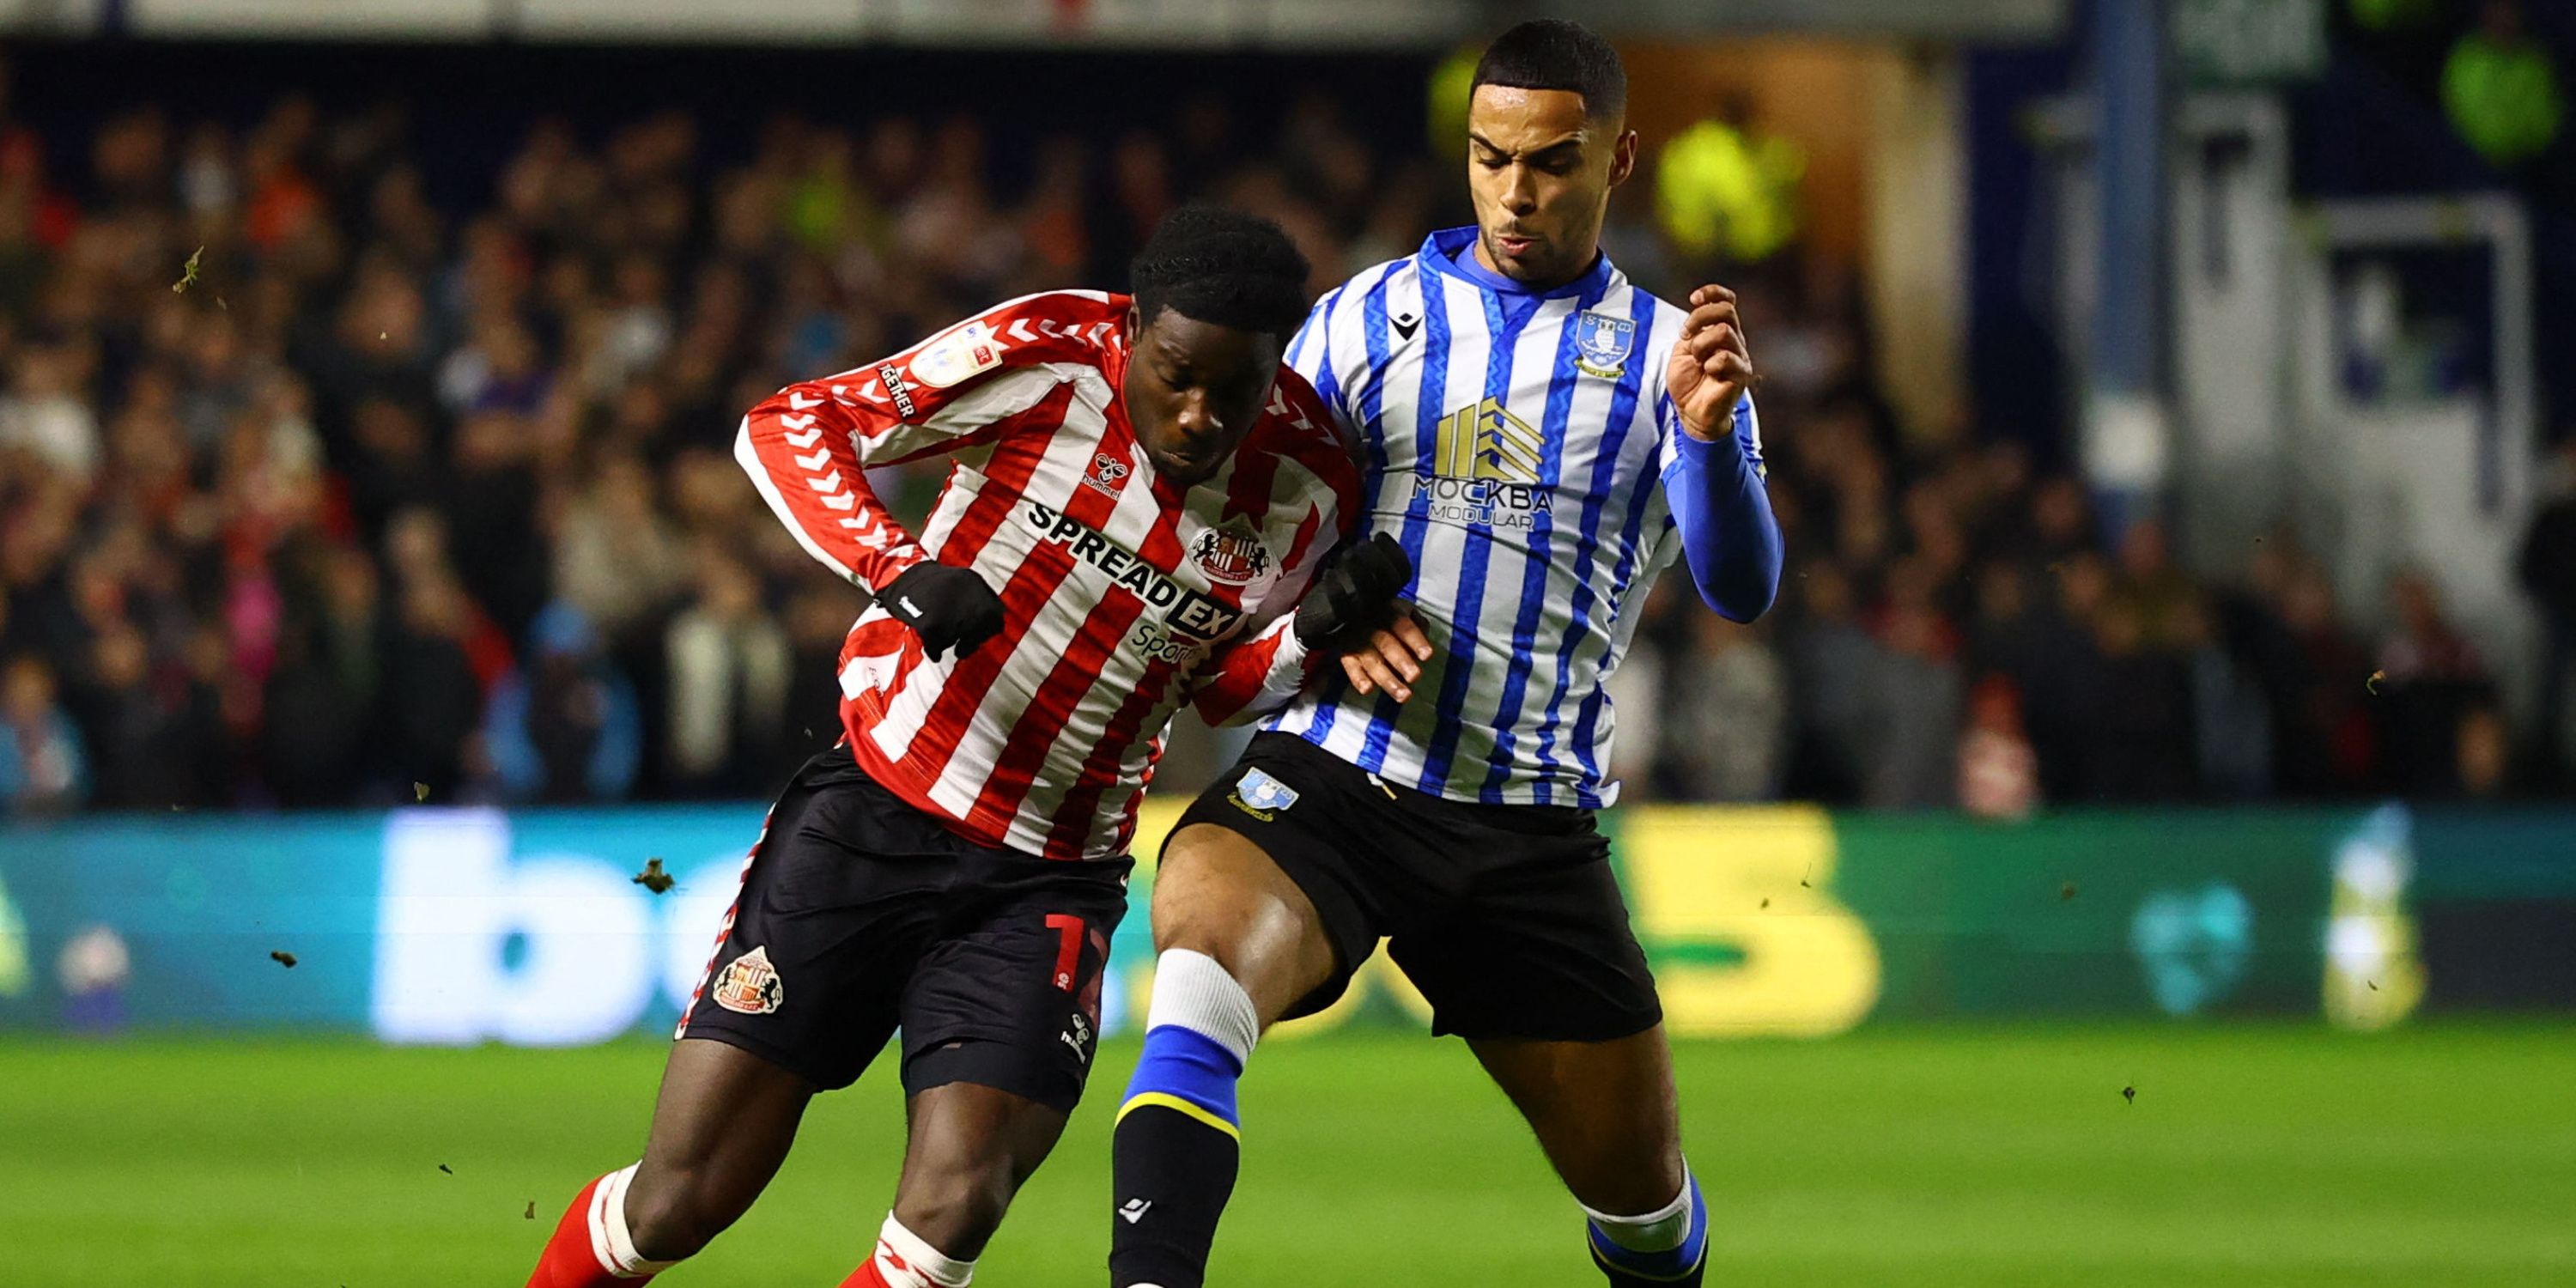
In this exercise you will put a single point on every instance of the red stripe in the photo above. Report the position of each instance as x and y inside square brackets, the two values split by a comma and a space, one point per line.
[1074, 819]
[1073, 678]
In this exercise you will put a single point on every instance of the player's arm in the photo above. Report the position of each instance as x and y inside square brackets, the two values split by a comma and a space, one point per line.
[1353, 612]
[808, 447]
[1712, 469]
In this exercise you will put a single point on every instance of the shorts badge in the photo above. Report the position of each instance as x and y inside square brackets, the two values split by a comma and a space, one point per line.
[1601, 343]
[750, 985]
[1261, 795]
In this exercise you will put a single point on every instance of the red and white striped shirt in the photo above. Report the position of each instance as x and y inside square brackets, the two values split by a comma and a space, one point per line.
[1123, 594]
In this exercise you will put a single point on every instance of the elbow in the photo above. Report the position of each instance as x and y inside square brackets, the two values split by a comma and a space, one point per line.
[1742, 600]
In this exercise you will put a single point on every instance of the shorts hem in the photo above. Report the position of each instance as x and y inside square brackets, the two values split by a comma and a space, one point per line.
[767, 1051]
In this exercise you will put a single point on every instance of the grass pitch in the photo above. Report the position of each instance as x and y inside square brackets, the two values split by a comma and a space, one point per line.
[2268, 1155]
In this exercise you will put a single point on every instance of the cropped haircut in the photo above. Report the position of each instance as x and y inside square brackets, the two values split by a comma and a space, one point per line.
[1222, 267]
[1553, 53]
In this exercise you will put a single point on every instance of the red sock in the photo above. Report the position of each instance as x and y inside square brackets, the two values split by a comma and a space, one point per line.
[571, 1258]
[865, 1276]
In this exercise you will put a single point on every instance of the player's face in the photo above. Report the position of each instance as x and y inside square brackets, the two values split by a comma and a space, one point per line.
[1541, 173]
[1193, 390]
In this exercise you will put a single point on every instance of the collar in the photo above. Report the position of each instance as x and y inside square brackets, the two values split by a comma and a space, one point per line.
[1452, 251]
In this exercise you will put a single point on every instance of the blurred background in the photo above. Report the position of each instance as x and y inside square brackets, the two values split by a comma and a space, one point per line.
[2171, 408]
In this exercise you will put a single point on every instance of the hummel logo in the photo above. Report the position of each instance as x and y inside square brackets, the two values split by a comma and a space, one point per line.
[1135, 1210]
[1406, 325]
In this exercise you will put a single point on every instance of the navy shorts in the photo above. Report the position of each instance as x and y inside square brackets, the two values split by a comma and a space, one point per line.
[1507, 917]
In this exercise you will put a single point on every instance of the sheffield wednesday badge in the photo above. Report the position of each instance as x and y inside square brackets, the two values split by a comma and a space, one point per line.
[1601, 343]
[1262, 796]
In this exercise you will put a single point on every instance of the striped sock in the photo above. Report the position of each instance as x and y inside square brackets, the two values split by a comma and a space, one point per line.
[1178, 1140]
[1663, 1247]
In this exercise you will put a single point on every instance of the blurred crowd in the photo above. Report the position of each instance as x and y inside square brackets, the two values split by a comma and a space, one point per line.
[316, 492]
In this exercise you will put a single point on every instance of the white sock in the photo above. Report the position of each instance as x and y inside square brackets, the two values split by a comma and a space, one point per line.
[1661, 1230]
[609, 1239]
[906, 1259]
[1193, 991]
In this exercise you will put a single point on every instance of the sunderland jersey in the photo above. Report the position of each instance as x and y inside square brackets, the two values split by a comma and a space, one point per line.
[1516, 442]
[1123, 594]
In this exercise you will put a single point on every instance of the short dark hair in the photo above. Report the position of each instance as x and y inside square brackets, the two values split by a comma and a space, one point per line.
[1223, 267]
[1553, 53]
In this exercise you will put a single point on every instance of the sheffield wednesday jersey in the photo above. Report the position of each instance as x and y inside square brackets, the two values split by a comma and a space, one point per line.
[1517, 443]
[1124, 595]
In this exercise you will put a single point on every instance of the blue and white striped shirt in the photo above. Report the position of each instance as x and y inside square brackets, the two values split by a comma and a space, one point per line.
[1518, 443]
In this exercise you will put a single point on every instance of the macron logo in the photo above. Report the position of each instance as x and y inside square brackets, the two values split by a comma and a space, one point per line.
[1135, 1210]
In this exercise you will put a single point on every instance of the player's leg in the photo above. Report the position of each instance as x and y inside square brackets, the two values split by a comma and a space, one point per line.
[798, 997]
[1250, 926]
[970, 1149]
[1537, 968]
[1608, 1119]
[1001, 1019]
[721, 1127]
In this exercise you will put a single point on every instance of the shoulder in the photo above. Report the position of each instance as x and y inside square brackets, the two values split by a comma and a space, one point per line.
[1349, 300]
[1296, 430]
[1046, 330]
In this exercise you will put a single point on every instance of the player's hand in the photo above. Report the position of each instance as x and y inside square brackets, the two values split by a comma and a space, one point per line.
[1710, 368]
[947, 606]
[1354, 597]
[1391, 659]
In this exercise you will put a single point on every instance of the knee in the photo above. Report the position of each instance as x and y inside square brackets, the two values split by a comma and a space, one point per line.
[956, 1207]
[672, 1215]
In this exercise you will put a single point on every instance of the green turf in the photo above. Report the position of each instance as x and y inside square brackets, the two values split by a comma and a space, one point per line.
[2439, 1156]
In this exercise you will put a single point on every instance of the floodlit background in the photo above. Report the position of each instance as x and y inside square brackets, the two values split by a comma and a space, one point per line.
[2140, 848]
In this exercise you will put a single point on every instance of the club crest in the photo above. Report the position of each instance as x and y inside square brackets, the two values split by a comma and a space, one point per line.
[1232, 554]
[1262, 796]
[750, 985]
[1602, 342]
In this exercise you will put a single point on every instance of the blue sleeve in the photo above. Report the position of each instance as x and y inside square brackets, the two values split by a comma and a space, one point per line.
[1729, 537]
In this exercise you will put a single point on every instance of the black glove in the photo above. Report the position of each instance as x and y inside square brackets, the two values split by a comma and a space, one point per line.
[1354, 597]
[947, 606]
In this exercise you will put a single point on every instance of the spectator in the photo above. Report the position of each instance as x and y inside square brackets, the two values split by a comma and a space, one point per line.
[730, 665]
[2548, 572]
[1998, 772]
[42, 766]
[563, 727]
[1726, 730]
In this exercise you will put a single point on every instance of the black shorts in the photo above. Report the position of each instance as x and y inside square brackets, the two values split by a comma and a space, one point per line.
[860, 914]
[1507, 917]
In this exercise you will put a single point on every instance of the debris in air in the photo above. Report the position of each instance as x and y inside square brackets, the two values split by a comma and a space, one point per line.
[1766, 903]
[188, 271]
[2129, 1094]
[653, 878]
[2376, 679]
[2066, 891]
[420, 792]
[445, 1168]
[531, 1213]
[283, 958]
[2374, 984]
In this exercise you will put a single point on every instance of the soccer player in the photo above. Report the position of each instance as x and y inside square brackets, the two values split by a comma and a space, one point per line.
[1138, 495]
[1543, 438]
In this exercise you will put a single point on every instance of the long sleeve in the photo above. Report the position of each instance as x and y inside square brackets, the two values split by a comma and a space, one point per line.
[808, 446]
[1729, 537]
[1252, 677]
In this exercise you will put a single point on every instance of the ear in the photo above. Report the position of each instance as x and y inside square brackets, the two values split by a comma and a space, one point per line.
[1623, 158]
[1135, 324]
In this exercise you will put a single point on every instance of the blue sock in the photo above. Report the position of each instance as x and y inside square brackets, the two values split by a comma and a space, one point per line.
[1682, 1263]
[1188, 1071]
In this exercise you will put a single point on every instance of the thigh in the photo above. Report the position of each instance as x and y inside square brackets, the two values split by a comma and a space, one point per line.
[1536, 946]
[1277, 872]
[1008, 994]
[1605, 1112]
[721, 1126]
[840, 896]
